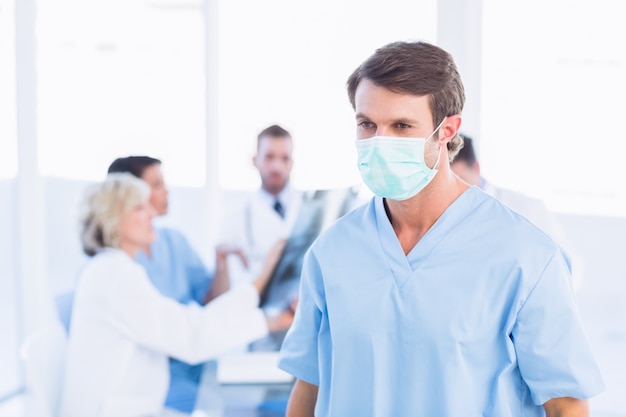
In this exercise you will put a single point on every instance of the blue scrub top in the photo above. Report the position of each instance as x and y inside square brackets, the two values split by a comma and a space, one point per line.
[478, 319]
[178, 272]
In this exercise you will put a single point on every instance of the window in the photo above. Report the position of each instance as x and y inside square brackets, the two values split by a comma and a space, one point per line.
[10, 373]
[118, 78]
[551, 99]
[8, 141]
[287, 63]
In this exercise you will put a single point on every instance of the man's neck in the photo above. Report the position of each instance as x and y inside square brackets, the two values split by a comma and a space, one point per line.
[411, 219]
[274, 193]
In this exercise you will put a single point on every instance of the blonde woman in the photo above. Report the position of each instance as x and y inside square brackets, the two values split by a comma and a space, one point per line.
[123, 329]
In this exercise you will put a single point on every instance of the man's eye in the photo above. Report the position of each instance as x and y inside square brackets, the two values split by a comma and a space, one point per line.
[403, 126]
[365, 125]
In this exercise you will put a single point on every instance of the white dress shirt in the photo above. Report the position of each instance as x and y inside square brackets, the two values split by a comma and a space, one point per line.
[255, 227]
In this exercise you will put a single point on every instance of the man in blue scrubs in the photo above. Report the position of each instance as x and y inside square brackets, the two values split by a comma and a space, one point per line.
[434, 299]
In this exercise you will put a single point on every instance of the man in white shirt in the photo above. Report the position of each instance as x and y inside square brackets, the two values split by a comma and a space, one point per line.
[267, 215]
[466, 166]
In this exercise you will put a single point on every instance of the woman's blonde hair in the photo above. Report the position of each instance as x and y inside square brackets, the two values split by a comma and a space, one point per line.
[103, 206]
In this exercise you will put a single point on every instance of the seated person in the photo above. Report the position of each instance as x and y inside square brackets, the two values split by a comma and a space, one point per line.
[123, 329]
[176, 270]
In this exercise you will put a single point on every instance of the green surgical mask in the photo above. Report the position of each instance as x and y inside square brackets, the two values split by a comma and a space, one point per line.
[394, 167]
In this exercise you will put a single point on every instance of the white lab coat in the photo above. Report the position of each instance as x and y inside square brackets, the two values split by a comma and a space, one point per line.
[255, 227]
[537, 212]
[124, 330]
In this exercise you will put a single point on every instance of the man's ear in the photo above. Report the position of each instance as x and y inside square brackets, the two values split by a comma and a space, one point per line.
[476, 167]
[449, 128]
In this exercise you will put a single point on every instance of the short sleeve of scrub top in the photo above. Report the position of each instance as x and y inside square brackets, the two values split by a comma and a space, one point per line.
[549, 365]
[300, 357]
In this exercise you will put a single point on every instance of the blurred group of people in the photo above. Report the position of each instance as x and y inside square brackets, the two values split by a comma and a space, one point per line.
[147, 312]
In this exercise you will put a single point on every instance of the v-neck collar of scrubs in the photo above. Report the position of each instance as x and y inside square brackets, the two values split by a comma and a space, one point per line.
[405, 265]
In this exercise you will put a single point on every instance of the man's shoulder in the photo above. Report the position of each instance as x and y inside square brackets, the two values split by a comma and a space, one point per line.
[168, 232]
[532, 208]
[515, 199]
[507, 228]
[171, 237]
[354, 223]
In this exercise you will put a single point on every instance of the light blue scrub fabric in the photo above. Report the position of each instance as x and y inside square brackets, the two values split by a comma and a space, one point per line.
[478, 320]
[178, 272]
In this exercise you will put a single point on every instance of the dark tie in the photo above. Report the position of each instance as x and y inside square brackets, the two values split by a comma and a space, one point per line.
[278, 208]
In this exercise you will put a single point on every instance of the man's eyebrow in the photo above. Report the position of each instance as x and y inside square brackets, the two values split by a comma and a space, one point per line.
[408, 121]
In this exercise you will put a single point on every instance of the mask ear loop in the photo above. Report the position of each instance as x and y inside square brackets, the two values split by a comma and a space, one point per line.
[438, 153]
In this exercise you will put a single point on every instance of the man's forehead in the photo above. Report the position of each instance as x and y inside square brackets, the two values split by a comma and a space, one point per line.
[408, 113]
[275, 144]
[271, 139]
[371, 97]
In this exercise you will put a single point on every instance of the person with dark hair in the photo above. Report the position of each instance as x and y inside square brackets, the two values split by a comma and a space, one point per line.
[274, 161]
[177, 271]
[266, 215]
[123, 329]
[135, 165]
[432, 299]
[467, 167]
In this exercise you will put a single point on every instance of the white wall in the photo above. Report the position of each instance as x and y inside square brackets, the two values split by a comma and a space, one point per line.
[600, 241]
[10, 378]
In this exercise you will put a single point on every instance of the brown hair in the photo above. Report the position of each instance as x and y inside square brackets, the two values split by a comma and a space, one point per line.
[273, 131]
[136, 165]
[420, 69]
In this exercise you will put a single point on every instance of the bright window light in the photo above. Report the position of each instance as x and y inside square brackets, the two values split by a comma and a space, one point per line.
[553, 96]
[120, 78]
[287, 62]
[8, 123]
